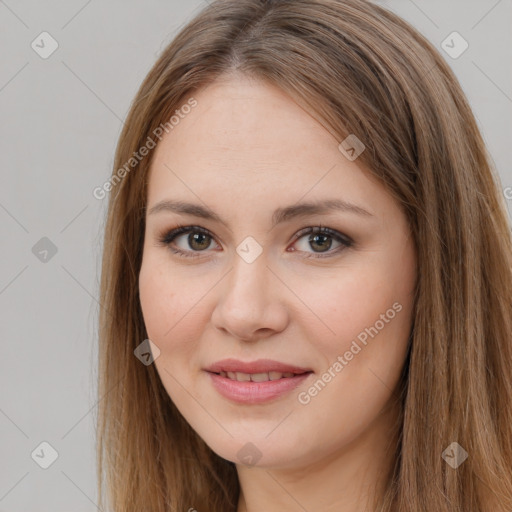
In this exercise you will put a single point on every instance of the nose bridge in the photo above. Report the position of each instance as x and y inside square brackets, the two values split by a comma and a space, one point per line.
[248, 281]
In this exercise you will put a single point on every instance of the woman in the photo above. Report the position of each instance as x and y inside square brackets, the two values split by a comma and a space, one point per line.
[306, 277]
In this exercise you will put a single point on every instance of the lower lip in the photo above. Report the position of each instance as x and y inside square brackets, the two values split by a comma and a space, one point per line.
[255, 392]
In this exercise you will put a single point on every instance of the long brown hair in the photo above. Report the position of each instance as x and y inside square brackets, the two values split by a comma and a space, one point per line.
[359, 69]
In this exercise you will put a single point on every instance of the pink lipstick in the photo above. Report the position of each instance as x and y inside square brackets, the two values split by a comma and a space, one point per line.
[255, 382]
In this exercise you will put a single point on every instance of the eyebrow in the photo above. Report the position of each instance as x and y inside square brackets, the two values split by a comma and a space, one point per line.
[280, 214]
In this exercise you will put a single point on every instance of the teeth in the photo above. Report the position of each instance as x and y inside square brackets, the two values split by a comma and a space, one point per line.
[259, 377]
[256, 377]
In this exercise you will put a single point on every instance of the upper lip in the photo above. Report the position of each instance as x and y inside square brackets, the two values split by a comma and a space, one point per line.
[257, 366]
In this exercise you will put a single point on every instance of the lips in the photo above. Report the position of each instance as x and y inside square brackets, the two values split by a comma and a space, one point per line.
[257, 381]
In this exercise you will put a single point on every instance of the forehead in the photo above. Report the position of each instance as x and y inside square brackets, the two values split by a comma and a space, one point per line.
[238, 116]
[247, 139]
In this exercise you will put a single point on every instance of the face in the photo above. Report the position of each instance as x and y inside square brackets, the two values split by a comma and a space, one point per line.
[283, 307]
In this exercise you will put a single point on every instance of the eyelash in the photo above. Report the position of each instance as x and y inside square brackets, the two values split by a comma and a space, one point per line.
[168, 237]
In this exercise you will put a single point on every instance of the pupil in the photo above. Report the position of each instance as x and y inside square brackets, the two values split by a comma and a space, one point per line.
[324, 237]
[195, 238]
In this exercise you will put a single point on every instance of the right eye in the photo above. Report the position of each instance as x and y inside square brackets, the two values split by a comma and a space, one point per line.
[198, 240]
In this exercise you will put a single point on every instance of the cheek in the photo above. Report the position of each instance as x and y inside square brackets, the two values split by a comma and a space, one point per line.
[370, 310]
[349, 304]
[160, 301]
[172, 315]
[155, 298]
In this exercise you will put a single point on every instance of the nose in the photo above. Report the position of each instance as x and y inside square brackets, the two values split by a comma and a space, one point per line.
[251, 302]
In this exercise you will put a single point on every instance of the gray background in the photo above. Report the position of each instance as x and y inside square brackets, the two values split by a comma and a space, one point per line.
[61, 118]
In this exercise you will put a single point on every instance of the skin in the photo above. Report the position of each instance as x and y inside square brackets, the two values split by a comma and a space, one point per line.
[246, 149]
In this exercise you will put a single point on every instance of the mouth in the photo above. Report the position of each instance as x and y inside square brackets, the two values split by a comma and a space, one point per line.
[257, 377]
[255, 382]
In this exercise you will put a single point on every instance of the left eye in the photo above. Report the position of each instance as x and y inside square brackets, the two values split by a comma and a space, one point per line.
[199, 240]
[321, 241]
